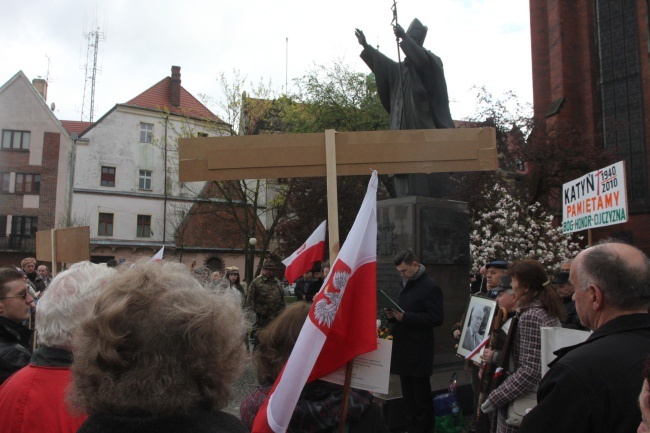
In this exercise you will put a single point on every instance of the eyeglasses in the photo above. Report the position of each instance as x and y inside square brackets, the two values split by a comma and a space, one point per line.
[21, 295]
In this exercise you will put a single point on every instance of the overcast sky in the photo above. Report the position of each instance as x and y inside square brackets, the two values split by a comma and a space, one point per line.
[481, 42]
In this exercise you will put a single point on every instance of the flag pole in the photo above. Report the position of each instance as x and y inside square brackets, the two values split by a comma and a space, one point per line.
[346, 393]
[333, 223]
[332, 194]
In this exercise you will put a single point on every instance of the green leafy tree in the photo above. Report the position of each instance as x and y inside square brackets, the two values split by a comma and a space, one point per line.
[328, 97]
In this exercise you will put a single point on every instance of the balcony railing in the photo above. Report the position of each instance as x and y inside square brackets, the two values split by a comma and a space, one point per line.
[21, 243]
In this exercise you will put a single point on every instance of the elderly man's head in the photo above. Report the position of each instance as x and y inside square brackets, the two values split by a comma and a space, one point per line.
[67, 301]
[43, 271]
[477, 319]
[494, 271]
[562, 284]
[610, 279]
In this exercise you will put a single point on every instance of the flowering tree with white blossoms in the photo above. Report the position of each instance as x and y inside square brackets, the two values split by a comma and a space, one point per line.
[512, 230]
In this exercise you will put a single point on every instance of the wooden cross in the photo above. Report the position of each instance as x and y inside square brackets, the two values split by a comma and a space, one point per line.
[336, 153]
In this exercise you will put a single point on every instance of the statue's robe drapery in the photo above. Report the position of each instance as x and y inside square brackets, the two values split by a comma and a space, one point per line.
[422, 102]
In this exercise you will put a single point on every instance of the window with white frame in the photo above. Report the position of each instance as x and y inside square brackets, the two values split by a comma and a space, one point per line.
[146, 132]
[17, 140]
[145, 180]
[144, 226]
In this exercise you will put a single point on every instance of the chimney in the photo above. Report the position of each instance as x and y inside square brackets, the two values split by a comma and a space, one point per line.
[41, 87]
[176, 86]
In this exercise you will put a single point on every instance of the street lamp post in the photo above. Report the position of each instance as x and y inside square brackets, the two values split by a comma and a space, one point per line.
[250, 260]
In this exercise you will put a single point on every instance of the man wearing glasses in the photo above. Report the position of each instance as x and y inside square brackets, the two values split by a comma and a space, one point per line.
[15, 303]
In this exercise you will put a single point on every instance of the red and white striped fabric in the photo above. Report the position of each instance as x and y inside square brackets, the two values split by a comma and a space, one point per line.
[340, 325]
[303, 258]
[158, 256]
[478, 348]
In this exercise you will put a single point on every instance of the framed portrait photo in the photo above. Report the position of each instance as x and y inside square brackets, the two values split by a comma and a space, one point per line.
[476, 326]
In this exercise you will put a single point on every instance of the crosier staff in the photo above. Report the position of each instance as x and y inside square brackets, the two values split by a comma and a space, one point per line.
[396, 26]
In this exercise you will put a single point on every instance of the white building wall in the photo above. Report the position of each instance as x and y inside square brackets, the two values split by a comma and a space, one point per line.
[115, 142]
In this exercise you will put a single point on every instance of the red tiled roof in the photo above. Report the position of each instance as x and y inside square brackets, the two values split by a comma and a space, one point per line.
[75, 126]
[158, 97]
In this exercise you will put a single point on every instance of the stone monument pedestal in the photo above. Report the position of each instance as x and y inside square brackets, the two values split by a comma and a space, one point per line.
[437, 231]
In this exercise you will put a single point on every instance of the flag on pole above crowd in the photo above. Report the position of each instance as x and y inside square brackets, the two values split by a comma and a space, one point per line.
[303, 259]
[341, 323]
[158, 256]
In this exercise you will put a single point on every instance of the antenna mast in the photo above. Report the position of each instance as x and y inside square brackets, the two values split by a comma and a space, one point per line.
[47, 75]
[88, 103]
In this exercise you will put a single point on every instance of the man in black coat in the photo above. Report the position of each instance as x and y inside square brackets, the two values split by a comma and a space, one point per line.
[15, 304]
[420, 298]
[302, 284]
[593, 386]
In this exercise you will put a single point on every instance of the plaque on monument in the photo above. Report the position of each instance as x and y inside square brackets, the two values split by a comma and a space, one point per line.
[445, 236]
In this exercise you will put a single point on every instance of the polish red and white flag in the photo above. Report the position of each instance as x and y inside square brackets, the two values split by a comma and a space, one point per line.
[341, 324]
[158, 256]
[303, 258]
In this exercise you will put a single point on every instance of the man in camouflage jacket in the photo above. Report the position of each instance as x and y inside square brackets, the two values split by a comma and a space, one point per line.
[265, 297]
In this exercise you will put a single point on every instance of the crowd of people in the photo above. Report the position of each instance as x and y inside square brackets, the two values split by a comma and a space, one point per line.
[155, 346]
[590, 387]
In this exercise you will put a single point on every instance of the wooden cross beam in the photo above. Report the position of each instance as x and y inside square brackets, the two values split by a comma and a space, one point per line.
[272, 156]
[334, 153]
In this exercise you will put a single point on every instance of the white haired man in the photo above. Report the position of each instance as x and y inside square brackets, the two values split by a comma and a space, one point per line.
[33, 399]
[593, 386]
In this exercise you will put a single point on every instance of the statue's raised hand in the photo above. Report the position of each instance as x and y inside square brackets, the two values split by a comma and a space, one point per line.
[361, 37]
[399, 31]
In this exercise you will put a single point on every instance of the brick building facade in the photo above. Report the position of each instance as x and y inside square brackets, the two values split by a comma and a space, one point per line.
[590, 57]
[34, 156]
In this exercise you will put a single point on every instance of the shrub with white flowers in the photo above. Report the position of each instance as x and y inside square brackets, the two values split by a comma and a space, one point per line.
[513, 230]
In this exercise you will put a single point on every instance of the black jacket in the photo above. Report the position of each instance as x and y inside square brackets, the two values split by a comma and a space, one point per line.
[37, 281]
[14, 347]
[594, 386]
[195, 422]
[413, 340]
[300, 289]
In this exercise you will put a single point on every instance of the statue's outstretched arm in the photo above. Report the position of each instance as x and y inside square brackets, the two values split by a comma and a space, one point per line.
[361, 38]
